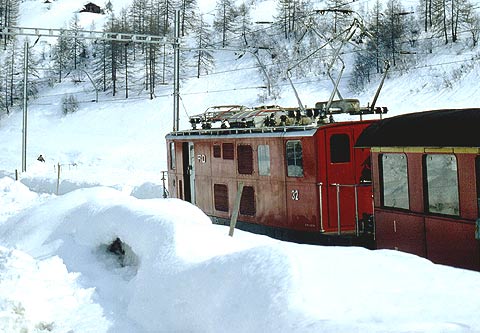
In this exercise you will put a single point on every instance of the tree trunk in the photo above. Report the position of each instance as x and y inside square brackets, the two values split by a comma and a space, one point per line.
[445, 33]
[126, 73]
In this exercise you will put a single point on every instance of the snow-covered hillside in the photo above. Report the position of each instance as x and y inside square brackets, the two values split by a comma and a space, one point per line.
[178, 272]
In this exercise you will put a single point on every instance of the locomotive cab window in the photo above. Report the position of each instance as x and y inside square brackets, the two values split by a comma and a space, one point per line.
[394, 181]
[245, 159]
[339, 148]
[442, 184]
[264, 160]
[172, 155]
[294, 158]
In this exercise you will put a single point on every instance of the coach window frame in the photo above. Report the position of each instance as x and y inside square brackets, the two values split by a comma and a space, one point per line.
[477, 182]
[434, 177]
[397, 180]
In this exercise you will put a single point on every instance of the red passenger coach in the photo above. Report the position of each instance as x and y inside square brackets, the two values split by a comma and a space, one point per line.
[302, 183]
[426, 176]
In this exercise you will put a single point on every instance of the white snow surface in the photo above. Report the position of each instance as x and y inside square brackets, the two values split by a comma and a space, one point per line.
[179, 272]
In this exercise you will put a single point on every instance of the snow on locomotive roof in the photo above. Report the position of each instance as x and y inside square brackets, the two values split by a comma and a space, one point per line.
[437, 128]
[240, 133]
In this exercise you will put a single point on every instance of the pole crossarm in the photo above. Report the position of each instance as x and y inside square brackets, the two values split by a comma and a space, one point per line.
[85, 34]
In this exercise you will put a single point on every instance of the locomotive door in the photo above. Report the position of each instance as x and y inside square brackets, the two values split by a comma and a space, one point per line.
[188, 154]
[340, 178]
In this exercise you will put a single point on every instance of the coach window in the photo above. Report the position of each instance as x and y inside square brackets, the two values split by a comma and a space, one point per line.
[264, 160]
[247, 201]
[339, 148]
[172, 155]
[394, 180]
[220, 197]
[294, 158]
[245, 159]
[217, 151]
[442, 184]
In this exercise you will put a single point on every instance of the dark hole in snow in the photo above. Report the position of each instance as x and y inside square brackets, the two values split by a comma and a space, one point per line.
[124, 253]
[116, 247]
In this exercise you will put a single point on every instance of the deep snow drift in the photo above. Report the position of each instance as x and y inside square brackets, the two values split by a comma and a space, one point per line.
[178, 272]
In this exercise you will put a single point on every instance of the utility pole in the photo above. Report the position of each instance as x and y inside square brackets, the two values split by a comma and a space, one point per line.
[176, 73]
[24, 123]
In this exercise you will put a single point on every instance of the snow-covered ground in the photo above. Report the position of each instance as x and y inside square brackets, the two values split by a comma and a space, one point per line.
[180, 273]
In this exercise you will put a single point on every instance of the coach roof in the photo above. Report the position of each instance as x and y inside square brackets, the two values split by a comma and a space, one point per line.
[438, 128]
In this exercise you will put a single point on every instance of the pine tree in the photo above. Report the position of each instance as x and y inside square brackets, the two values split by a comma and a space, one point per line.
[392, 30]
[77, 45]
[339, 18]
[108, 7]
[125, 54]
[11, 70]
[471, 23]
[243, 23]
[204, 58]
[9, 12]
[61, 53]
[289, 15]
[189, 8]
[99, 68]
[224, 20]
[107, 55]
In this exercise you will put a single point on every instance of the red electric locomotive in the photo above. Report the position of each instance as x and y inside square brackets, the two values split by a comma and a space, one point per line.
[426, 177]
[293, 171]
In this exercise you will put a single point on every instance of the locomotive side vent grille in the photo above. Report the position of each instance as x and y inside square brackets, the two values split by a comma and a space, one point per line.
[217, 151]
[247, 202]
[245, 159]
[228, 151]
[220, 197]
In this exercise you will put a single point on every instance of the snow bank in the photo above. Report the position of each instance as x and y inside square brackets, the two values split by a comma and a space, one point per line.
[181, 273]
[41, 295]
[16, 197]
[148, 190]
